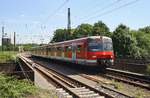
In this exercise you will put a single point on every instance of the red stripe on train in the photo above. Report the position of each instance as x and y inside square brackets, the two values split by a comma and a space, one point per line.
[100, 55]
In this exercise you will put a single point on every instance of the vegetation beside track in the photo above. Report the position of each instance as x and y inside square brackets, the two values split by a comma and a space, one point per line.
[7, 56]
[131, 90]
[10, 87]
[148, 69]
[128, 43]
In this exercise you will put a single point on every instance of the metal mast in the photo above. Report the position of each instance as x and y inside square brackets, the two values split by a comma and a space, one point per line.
[69, 22]
[14, 40]
[2, 35]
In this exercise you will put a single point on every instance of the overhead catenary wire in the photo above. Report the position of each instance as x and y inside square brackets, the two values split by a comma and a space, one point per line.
[108, 11]
[103, 8]
[51, 15]
[112, 10]
[55, 11]
[97, 11]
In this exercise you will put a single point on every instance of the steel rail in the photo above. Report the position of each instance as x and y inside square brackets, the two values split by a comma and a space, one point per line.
[106, 87]
[79, 83]
[128, 77]
[47, 72]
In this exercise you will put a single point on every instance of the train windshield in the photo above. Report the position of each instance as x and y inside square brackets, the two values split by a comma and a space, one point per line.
[107, 45]
[95, 45]
[99, 45]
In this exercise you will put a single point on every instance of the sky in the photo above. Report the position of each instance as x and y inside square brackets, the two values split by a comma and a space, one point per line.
[34, 21]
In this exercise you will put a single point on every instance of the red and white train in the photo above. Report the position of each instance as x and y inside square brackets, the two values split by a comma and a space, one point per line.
[88, 51]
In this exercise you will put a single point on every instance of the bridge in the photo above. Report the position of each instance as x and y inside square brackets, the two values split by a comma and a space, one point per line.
[71, 83]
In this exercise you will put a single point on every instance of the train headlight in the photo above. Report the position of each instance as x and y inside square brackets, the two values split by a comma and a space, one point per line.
[112, 61]
[94, 56]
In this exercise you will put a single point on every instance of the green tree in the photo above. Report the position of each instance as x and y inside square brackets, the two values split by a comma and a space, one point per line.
[61, 35]
[27, 47]
[145, 29]
[143, 42]
[58, 35]
[124, 43]
[100, 28]
[83, 30]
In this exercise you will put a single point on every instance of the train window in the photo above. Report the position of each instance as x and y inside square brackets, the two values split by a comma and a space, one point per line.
[107, 45]
[59, 49]
[79, 47]
[62, 48]
[68, 48]
[53, 49]
[49, 49]
[95, 45]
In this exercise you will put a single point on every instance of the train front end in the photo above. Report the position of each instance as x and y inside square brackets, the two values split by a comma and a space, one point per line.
[100, 51]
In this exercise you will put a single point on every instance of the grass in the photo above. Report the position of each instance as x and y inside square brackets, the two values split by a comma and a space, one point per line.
[10, 87]
[7, 56]
[139, 94]
[117, 85]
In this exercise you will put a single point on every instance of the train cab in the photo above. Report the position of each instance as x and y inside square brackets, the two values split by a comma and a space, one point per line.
[87, 51]
[100, 51]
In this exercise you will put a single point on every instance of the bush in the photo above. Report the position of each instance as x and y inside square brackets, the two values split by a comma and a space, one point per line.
[7, 56]
[10, 87]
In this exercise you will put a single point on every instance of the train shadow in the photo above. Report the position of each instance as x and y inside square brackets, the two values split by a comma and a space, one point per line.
[70, 68]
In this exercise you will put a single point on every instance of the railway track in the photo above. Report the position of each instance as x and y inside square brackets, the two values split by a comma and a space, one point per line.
[128, 77]
[75, 88]
[135, 79]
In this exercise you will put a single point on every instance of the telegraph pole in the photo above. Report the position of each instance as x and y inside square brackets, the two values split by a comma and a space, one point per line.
[3, 28]
[69, 22]
[14, 40]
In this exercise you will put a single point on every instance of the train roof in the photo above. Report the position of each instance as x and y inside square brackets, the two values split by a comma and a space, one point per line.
[84, 38]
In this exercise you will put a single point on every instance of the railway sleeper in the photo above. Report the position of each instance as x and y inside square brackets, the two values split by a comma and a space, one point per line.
[86, 93]
[80, 89]
[62, 93]
[82, 92]
[91, 96]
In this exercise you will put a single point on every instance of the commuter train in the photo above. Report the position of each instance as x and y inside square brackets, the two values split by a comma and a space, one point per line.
[87, 51]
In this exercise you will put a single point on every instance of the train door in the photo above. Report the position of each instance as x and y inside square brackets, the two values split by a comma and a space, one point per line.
[73, 52]
[63, 50]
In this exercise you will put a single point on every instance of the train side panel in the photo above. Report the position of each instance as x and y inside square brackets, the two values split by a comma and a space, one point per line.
[77, 51]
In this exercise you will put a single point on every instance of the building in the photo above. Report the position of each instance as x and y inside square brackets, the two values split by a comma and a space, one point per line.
[6, 41]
